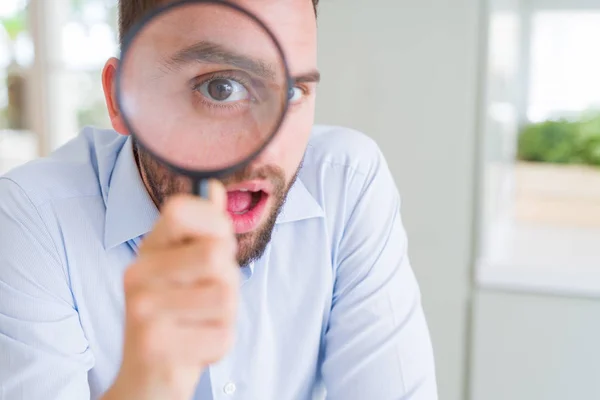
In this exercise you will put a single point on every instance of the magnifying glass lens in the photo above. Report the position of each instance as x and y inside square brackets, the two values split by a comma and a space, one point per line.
[203, 86]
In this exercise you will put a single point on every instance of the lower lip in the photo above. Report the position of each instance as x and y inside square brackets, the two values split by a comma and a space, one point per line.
[244, 223]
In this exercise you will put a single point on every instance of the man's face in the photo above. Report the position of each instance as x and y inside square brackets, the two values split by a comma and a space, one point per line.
[257, 193]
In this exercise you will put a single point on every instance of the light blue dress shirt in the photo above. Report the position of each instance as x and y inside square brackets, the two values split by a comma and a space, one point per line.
[332, 310]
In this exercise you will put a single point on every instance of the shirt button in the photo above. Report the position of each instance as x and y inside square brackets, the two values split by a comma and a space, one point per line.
[229, 388]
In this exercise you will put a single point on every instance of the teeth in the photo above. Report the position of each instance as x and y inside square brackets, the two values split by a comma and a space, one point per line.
[240, 213]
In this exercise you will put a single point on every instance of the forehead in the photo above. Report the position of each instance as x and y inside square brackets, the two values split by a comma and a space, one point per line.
[293, 23]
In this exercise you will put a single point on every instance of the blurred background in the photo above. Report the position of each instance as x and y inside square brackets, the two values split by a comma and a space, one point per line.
[51, 56]
[488, 114]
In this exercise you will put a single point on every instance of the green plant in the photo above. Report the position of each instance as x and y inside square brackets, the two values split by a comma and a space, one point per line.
[562, 141]
[589, 139]
[15, 24]
[3, 118]
[549, 141]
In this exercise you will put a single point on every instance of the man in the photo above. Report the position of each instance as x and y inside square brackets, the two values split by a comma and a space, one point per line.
[115, 284]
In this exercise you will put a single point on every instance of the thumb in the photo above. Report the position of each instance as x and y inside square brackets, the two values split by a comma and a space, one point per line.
[217, 194]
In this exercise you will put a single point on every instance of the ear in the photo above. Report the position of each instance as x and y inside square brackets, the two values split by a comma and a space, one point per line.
[109, 80]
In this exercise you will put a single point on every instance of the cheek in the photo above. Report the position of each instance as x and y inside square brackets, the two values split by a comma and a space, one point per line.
[288, 146]
[294, 136]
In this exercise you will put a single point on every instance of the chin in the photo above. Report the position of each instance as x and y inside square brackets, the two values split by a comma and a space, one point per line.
[252, 245]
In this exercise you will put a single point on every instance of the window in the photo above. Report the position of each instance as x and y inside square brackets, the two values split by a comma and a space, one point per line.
[89, 38]
[17, 144]
[51, 57]
[540, 191]
[564, 64]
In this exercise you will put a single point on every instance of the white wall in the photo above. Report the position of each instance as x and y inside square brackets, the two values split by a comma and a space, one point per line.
[526, 346]
[530, 347]
[405, 72]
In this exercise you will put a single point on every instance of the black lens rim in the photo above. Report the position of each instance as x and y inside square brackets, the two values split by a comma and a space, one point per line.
[128, 40]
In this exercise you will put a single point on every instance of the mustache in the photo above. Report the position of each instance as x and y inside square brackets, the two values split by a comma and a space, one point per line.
[266, 172]
[162, 182]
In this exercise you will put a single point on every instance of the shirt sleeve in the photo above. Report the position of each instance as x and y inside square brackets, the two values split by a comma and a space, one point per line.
[43, 350]
[377, 343]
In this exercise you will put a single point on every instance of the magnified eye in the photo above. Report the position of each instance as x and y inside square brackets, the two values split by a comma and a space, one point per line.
[295, 94]
[224, 90]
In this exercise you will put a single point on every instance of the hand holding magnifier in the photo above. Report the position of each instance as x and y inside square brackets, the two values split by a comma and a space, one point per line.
[203, 87]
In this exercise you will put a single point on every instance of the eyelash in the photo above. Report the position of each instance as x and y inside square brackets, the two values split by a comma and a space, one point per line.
[244, 82]
[305, 90]
[222, 75]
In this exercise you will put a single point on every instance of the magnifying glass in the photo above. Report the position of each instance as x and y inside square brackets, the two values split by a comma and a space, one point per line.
[203, 86]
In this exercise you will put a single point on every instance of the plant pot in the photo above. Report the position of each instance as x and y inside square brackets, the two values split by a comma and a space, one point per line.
[559, 195]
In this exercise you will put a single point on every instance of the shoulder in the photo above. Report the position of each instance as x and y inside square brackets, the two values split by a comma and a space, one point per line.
[342, 161]
[344, 167]
[78, 168]
[340, 147]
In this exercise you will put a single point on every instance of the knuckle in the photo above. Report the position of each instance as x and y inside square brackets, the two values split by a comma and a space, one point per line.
[173, 209]
[214, 222]
[137, 273]
[224, 223]
[226, 302]
[221, 281]
[232, 277]
[228, 291]
[225, 340]
[221, 298]
[196, 299]
[230, 305]
[140, 305]
[214, 257]
[209, 296]
[149, 341]
[178, 208]
[131, 277]
[224, 296]
[219, 341]
[222, 253]
[219, 222]
[207, 254]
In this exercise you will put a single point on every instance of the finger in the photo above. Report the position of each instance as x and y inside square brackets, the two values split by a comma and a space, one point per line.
[205, 345]
[184, 344]
[218, 195]
[209, 304]
[188, 264]
[184, 218]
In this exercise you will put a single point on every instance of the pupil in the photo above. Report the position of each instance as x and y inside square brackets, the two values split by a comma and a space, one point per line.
[220, 89]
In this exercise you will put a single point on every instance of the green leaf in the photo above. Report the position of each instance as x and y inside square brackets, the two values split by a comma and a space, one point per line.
[562, 141]
[15, 25]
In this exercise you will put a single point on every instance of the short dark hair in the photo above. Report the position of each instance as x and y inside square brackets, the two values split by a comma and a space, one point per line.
[132, 11]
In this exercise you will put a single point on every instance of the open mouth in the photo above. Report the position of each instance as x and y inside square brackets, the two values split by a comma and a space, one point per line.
[240, 202]
[246, 207]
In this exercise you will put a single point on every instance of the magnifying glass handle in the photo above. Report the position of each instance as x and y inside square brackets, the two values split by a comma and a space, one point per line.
[200, 188]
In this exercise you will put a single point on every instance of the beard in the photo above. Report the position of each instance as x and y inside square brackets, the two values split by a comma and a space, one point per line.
[162, 183]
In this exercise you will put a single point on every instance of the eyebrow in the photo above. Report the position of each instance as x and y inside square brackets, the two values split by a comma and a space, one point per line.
[209, 52]
[313, 76]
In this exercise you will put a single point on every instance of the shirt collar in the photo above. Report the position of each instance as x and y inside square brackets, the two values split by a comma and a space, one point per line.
[131, 213]
[299, 205]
